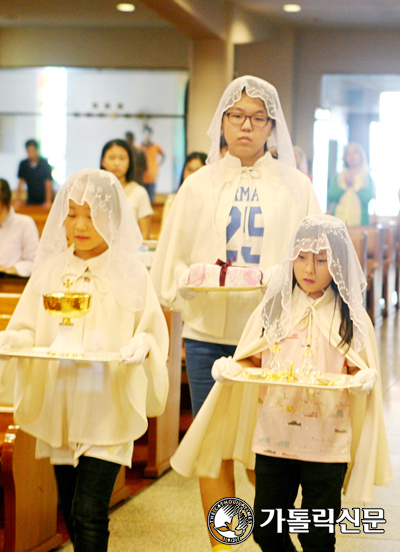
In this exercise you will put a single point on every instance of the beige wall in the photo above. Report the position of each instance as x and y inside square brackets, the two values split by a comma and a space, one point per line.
[105, 47]
[321, 51]
[293, 62]
[273, 61]
[211, 70]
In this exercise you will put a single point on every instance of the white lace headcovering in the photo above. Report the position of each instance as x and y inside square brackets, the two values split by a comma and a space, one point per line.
[314, 233]
[280, 137]
[112, 218]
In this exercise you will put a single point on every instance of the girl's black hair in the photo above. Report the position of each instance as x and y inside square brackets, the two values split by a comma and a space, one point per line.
[5, 193]
[194, 155]
[122, 144]
[337, 245]
[346, 323]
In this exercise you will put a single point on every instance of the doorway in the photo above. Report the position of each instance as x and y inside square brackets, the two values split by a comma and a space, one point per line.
[363, 109]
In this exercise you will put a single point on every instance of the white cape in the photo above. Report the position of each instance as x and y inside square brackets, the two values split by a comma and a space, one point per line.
[224, 426]
[79, 402]
[195, 232]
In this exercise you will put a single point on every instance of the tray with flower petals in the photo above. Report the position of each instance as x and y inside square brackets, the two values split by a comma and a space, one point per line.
[45, 353]
[326, 380]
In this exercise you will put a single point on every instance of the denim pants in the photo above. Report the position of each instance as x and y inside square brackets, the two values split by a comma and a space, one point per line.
[151, 190]
[200, 357]
[277, 483]
[84, 496]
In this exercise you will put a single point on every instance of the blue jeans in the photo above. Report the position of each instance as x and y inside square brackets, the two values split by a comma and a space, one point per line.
[277, 483]
[151, 190]
[84, 496]
[200, 356]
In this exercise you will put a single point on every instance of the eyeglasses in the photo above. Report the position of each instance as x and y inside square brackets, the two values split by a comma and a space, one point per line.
[256, 120]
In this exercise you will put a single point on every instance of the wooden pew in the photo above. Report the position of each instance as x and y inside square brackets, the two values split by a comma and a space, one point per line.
[38, 213]
[374, 272]
[163, 431]
[12, 284]
[29, 492]
[359, 238]
[8, 302]
[374, 267]
[389, 268]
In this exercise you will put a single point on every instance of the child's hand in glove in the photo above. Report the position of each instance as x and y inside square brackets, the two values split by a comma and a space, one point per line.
[136, 350]
[366, 379]
[11, 339]
[223, 367]
[186, 293]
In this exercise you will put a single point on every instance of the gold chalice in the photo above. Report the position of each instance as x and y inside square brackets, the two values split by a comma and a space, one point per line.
[67, 305]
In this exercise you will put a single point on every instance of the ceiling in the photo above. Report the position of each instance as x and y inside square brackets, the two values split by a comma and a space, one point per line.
[76, 13]
[331, 13]
[100, 13]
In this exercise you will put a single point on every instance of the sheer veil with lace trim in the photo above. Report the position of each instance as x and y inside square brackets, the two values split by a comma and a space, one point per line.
[280, 138]
[112, 218]
[314, 233]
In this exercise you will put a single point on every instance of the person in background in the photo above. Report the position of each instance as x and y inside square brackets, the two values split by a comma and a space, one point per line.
[193, 162]
[351, 190]
[301, 160]
[19, 237]
[117, 158]
[242, 208]
[35, 172]
[154, 157]
[139, 158]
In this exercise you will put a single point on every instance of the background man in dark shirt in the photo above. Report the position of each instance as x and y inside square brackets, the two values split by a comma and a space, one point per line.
[35, 171]
[139, 158]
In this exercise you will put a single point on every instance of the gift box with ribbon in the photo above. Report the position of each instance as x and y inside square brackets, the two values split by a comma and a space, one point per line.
[224, 274]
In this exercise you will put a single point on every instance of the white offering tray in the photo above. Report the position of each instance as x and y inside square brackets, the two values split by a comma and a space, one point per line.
[46, 353]
[203, 289]
[324, 381]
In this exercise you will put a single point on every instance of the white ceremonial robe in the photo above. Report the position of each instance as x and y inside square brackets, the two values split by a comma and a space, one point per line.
[73, 403]
[195, 232]
[224, 426]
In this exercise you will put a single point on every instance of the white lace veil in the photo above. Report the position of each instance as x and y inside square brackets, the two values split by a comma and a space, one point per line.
[112, 218]
[280, 137]
[314, 233]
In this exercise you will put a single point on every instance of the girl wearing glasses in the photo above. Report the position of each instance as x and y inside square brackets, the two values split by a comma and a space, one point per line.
[242, 208]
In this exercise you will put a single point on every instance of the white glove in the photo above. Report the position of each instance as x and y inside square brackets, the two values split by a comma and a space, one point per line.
[136, 350]
[366, 379]
[11, 339]
[224, 367]
[186, 293]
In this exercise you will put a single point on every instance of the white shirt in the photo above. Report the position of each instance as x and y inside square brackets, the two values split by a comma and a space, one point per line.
[19, 239]
[245, 231]
[138, 200]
